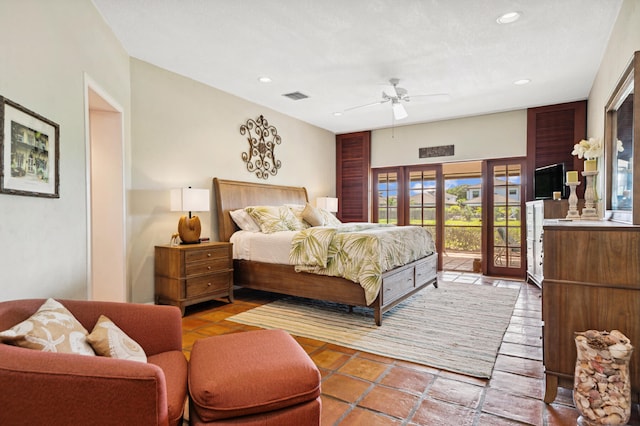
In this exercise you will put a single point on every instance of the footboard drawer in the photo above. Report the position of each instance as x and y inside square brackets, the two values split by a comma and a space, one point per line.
[397, 284]
[426, 269]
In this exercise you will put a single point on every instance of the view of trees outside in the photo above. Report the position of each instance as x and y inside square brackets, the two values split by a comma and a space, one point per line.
[463, 214]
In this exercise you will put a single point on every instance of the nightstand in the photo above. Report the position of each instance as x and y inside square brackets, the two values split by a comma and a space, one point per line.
[193, 273]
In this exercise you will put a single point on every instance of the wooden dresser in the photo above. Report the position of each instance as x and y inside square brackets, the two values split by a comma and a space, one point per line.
[193, 273]
[591, 281]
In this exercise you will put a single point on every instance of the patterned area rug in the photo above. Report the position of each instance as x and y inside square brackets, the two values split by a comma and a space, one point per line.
[456, 327]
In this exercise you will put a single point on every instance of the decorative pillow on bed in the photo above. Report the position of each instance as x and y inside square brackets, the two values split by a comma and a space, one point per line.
[108, 340]
[244, 220]
[312, 215]
[52, 328]
[274, 218]
[329, 218]
[297, 210]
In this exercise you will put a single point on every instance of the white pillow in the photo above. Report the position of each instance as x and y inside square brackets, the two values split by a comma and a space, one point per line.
[244, 220]
[313, 216]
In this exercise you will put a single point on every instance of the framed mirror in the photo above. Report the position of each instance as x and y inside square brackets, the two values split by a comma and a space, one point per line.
[622, 118]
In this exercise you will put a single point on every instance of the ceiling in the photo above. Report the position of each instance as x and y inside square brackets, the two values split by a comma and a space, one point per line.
[341, 53]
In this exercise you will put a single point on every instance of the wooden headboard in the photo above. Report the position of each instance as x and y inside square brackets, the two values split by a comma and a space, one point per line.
[232, 195]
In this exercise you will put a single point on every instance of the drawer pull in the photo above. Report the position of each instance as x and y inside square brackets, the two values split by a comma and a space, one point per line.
[208, 254]
[209, 267]
[209, 284]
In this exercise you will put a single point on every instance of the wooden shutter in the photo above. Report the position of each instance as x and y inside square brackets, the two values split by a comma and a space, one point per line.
[353, 164]
[551, 133]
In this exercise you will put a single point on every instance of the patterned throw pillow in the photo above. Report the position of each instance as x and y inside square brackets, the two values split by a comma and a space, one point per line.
[108, 340]
[274, 218]
[52, 328]
[329, 218]
[298, 210]
[244, 220]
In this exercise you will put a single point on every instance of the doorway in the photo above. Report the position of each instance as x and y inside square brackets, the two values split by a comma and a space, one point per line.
[463, 209]
[106, 270]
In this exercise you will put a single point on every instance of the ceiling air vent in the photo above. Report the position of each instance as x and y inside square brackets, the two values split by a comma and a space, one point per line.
[296, 96]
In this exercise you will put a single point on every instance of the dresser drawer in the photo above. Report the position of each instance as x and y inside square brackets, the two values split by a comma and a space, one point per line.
[426, 269]
[397, 284]
[213, 283]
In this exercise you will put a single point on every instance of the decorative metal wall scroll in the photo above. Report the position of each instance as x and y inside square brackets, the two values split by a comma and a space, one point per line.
[262, 140]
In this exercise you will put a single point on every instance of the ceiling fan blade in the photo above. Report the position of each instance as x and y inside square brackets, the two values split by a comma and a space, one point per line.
[390, 91]
[398, 111]
[367, 105]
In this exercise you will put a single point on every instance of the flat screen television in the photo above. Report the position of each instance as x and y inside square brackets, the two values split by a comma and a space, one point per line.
[547, 180]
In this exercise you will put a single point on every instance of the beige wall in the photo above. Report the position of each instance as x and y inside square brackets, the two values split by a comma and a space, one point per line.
[624, 41]
[487, 136]
[179, 132]
[185, 134]
[47, 48]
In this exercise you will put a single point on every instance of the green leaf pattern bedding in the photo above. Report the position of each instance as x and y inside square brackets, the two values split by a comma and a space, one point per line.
[360, 252]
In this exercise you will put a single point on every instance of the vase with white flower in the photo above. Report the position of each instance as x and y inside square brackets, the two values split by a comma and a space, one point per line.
[590, 149]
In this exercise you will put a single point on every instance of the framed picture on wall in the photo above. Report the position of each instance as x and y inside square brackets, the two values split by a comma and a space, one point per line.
[29, 152]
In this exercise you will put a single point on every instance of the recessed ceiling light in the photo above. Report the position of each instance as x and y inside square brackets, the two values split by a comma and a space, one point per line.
[337, 114]
[264, 79]
[522, 82]
[508, 18]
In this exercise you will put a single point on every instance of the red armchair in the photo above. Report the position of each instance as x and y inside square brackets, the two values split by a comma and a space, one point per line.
[61, 389]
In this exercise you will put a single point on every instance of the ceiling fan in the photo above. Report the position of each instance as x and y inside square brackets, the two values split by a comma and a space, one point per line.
[398, 96]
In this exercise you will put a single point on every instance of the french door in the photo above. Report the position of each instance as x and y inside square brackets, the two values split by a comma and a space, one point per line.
[416, 195]
[410, 196]
[506, 192]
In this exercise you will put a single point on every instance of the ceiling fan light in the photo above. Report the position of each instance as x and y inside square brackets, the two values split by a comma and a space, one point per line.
[398, 111]
[508, 18]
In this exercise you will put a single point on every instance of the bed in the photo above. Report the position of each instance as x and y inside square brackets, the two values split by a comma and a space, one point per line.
[397, 284]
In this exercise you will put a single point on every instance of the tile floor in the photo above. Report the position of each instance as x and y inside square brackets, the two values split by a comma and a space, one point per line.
[364, 389]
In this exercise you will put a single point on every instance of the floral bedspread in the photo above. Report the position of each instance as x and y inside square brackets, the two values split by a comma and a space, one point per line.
[360, 252]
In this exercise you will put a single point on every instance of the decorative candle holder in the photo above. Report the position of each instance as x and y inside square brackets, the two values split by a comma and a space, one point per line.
[573, 201]
[589, 212]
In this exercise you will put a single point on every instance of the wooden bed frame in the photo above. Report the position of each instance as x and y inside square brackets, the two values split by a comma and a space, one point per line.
[397, 284]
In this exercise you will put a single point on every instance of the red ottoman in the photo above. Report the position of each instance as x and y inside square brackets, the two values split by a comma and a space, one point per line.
[258, 377]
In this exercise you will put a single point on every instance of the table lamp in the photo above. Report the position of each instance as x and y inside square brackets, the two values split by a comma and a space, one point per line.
[189, 199]
[330, 204]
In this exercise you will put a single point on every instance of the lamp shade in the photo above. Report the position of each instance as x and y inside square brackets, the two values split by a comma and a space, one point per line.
[330, 204]
[189, 200]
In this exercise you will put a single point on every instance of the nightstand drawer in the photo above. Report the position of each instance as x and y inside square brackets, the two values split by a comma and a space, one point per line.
[211, 265]
[208, 284]
[217, 253]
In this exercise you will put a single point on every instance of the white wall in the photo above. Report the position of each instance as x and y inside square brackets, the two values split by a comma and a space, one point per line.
[46, 48]
[185, 134]
[498, 135]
